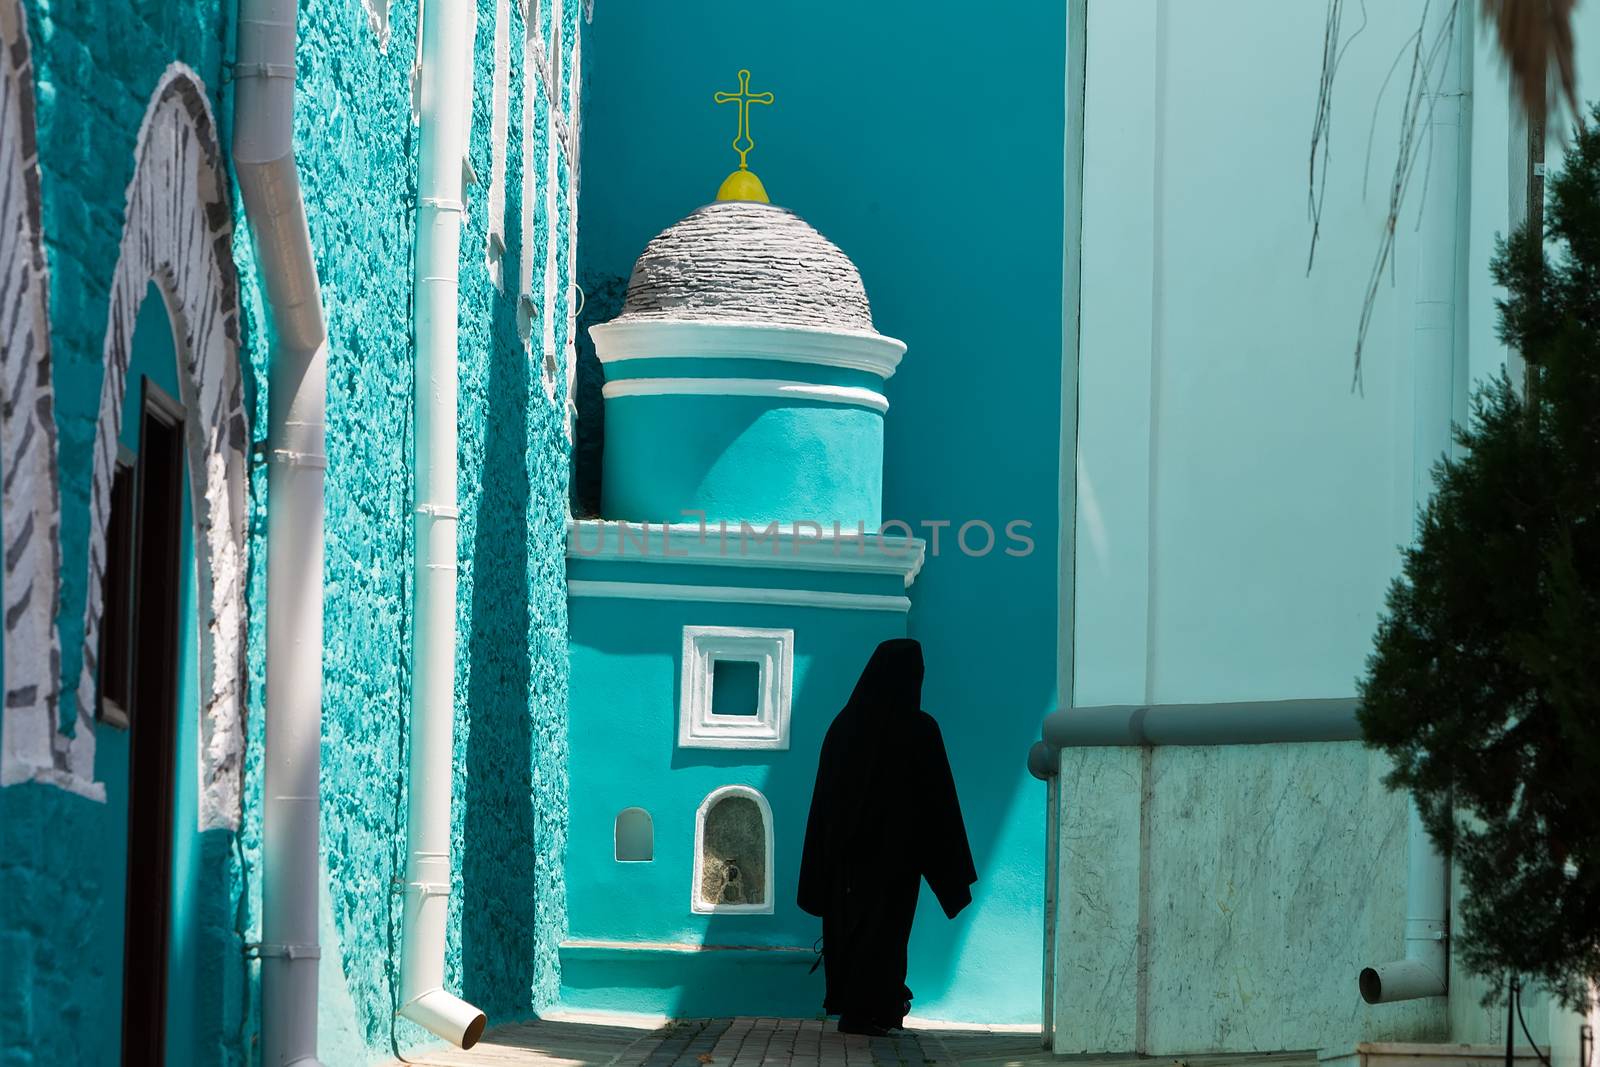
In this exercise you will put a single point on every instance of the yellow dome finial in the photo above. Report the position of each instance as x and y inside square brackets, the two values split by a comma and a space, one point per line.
[743, 184]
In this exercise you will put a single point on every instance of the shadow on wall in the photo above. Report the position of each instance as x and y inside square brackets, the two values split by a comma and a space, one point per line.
[499, 890]
[603, 295]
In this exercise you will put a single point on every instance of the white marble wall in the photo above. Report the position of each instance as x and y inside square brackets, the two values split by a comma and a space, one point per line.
[1097, 900]
[1259, 879]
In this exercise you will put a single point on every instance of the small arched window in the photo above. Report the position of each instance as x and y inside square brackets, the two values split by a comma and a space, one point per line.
[733, 853]
[635, 836]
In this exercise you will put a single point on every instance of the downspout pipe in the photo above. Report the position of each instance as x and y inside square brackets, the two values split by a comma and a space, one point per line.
[1438, 376]
[263, 158]
[445, 110]
[1424, 971]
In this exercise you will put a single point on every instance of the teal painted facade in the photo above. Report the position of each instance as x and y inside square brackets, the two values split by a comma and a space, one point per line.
[355, 144]
[668, 458]
[64, 859]
[890, 136]
[64, 856]
[626, 676]
[1228, 505]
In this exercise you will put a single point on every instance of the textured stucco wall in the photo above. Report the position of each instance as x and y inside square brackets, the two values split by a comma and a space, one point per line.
[62, 856]
[356, 143]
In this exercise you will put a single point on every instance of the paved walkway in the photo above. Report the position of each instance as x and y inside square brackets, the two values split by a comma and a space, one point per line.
[718, 1042]
[781, 1043]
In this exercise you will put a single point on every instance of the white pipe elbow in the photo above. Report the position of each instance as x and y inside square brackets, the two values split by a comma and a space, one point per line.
[1425, 971]
[447, 1016]
[1402, 980]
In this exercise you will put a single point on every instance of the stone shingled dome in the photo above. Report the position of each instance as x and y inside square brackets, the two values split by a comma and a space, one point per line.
[740, 261]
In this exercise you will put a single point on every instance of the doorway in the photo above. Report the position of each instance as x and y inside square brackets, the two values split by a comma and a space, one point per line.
[139, 664]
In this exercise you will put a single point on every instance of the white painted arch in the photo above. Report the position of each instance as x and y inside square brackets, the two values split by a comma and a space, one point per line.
[177, 233]
[701, 907]
[34, 748]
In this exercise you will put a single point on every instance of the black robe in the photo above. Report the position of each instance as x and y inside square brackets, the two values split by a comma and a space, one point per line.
[884, 816]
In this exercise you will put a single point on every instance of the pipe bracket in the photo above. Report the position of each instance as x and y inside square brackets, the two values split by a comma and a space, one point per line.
[258, 950]
[439, 511]
[312, 460]
[264, 70]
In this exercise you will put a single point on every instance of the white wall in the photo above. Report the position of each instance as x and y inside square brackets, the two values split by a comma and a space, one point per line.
[1238, 512]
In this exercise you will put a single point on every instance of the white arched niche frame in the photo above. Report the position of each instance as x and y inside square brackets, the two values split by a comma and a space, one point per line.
[772, 653]
[711, 871]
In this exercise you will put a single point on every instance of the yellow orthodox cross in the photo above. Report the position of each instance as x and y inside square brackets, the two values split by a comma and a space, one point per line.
[742, 184]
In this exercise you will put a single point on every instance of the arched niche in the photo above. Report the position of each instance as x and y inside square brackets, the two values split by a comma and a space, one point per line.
[733, 853]
[634, 839]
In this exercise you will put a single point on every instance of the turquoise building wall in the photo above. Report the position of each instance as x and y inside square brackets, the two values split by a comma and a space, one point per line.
[61, 915]
[899, 135]
[64, 855]
[355, 141]
[626, 673]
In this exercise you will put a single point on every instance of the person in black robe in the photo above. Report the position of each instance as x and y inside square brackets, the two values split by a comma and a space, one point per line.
[884, 816]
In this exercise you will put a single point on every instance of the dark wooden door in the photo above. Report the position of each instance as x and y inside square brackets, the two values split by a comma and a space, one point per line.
[152, 663]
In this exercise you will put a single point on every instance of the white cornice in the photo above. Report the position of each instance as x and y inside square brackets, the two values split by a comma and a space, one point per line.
[850, 395]
[847, 552]
[690, 339]
[734, 594]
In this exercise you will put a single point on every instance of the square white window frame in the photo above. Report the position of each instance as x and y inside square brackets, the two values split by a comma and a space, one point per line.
[773, 653]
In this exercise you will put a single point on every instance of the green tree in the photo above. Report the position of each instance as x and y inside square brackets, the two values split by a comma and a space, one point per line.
[1484, 683]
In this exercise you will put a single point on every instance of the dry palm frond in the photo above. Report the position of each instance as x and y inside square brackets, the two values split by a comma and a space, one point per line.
[1332, 53]
[1430, 53]
[1536, 41]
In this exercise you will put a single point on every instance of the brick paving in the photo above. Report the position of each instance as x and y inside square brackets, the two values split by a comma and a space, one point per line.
[782, 1043]
[774, 1043]
[693, 1043]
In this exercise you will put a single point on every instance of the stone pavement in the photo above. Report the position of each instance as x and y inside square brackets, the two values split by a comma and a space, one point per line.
[785, 1043]
[778, 1043]
[707, 1043]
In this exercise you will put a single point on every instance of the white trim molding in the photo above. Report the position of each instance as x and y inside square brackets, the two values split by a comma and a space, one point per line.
[683, 338]
[732, 594]
[772, 652]
[715, 797]
[801, 546]
[852, 395]
[682, 947]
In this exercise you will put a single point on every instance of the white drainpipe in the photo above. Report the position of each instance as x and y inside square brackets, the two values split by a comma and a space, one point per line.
[1437, 375]
[445, 110]
[1425, 970]
[263, 156]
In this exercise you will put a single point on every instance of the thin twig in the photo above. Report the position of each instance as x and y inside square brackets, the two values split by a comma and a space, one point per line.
[1332, 56]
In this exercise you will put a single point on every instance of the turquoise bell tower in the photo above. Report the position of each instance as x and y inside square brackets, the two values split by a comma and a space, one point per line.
[720, 611]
